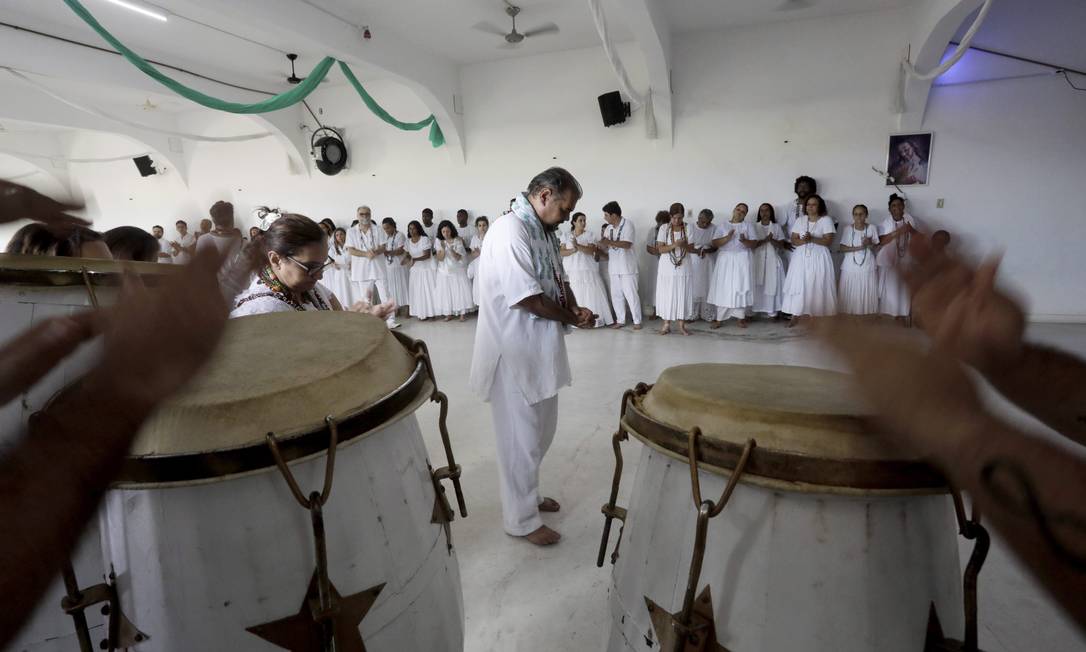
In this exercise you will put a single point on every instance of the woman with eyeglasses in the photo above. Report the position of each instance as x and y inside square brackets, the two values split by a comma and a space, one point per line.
[289, 259]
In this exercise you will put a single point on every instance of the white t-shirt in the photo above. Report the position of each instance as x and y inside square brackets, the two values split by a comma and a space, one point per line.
[362, 268]
[824, 226]
[184, 242]
[416, 249]
[896, 252]
[227, 244]
[396, 241]
[580, 261]
[431, 232]
[450, 265]
[533, 349]
[789, 214]
[735, 244]
[622, 261]
[164, 251]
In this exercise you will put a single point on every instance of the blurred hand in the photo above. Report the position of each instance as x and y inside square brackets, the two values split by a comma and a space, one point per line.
[156, 341]
[21, 203]
[924, 400]
[29, 356]
[959, 306]
[381, 311]
[585, 318]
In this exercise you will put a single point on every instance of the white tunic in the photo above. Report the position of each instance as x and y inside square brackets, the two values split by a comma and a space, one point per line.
[452, 295]
[185, 242]
[767, 270]
[789, 214]
[259, 299]
[810, 288]
[422, 279]
[892, 258]
[858, 292]
[431, 232]
[532, 349]
[337, 276]
[396, 271]
[362, 268]
[702, 266]
[622, 261]
[164, 249]
[732, 286]
[674, 283]
[584, 277]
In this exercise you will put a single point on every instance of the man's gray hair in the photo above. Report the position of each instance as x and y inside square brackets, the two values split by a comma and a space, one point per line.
[558, 180]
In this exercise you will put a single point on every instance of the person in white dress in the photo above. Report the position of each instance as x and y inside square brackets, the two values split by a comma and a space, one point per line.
[702, 260]
[423, 273]
[482, 223]
[519, 361]
[810, 287]
[767, 265]
[453, 292]
[858, 291]
[291, 257]
[579, 258]
[619, 238]
[395, 264]
[794, 211]
[675, 275]
[183, 246]
[164, 249]
[337, 276]
[650, 264]
[366, 245]
[895, 236]
[732, 286]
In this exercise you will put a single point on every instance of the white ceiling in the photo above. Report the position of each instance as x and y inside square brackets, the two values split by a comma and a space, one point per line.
[1046, 30]
[707, 15]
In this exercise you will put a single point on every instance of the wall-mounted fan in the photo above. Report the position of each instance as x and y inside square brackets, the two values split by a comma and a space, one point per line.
[513, 38]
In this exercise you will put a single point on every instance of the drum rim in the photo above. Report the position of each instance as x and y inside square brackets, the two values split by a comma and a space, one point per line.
[783, 469]
[155, 471]
[59, 275]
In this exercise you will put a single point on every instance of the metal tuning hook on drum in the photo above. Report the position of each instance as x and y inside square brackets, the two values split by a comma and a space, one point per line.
[610, 510]
[693, 627]
[971, 529]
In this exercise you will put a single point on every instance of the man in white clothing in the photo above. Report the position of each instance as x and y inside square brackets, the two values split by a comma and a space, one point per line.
[366, 243]
[163, 246]
[184, 245]
[428, 226]
[621, 265]
[520, 362]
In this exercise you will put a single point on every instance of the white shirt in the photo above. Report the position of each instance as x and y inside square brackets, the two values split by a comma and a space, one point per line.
[789, 214]
[258, 299]
[580, 261]
[735, 244]
[622, 261]
[396, 241]
[431, 232]
[895, 252]
[362, 268]
[532, 349]
[183, 241]
[416, 249]
[164, 249]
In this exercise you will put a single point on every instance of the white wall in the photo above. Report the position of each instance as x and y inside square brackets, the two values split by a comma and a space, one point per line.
[754, 108]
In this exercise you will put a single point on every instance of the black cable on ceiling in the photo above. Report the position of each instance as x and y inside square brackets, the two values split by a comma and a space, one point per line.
[1016, 57]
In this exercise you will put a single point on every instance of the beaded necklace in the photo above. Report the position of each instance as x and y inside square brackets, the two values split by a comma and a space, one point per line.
[280, 292]
[902, 241]
[676, 259]
[857, 244]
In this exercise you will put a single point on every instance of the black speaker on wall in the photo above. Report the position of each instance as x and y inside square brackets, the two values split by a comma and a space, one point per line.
[613, 110]
[145, 165]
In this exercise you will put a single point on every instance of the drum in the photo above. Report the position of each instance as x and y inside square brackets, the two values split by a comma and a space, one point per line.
[285, 499]
[32, 289]
[766, 516]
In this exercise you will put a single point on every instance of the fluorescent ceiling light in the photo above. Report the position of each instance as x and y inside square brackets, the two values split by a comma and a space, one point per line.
[139, 8]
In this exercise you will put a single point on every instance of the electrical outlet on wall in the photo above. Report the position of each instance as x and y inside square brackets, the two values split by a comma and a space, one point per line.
[939, 202]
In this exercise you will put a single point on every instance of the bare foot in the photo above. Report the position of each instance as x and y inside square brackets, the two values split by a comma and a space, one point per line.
[665, 330]
[549, 505]
[447, 318]
[743, 323]
[463, 318]
[617, 326]
[637, 327]
[793, 321]
[544, 536]
[682, 329]
[715, 325]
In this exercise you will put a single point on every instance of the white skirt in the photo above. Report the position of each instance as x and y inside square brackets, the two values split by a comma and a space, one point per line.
[810, 288]
[453, 293]
[421, 292]
[731, 286]
[768, 300]
[702, 275]
[398, 283]
[339, 282]
[588, 287]
[858, 293]
[894, 299]
[674, 295]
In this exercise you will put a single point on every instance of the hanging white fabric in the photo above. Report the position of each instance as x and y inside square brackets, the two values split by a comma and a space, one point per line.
[963, 47]
[111, 159]
[22, 176]
[107, 116]
[636, 100]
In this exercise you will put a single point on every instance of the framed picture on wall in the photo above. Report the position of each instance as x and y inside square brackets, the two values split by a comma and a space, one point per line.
[908, 159]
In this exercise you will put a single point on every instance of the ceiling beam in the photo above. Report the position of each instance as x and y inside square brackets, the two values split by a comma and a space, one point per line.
[937, 21]
[651, 30]
[46, 144]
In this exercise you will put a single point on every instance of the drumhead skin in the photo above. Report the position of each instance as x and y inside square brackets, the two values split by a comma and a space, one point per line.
[810, 429]
[277, 373]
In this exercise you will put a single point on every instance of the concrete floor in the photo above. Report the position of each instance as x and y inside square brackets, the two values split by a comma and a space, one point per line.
[522, 598]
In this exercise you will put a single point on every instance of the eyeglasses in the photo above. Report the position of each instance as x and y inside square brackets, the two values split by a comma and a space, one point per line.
[311, 269]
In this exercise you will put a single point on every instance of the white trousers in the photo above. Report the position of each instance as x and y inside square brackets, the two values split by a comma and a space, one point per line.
[623, 293]
[364, 290]
[724, 314]
[524, 433]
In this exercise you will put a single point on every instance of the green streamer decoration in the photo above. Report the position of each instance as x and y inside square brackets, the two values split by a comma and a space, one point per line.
[281, 101]
[437, 139]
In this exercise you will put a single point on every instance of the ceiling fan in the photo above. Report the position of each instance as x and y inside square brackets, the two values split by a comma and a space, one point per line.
[513, 37]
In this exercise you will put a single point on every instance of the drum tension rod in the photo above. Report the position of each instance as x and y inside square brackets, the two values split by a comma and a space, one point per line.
[971, 529]
[610, 510]
[692, 628]
[121, 633]
[327, 621]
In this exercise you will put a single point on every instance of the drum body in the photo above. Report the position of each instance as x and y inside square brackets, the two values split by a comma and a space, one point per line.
[204, 534]
[33, 289]
[810, 553]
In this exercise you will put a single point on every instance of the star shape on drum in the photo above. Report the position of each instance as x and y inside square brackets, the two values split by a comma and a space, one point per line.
[701, 634]
[304, 631]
